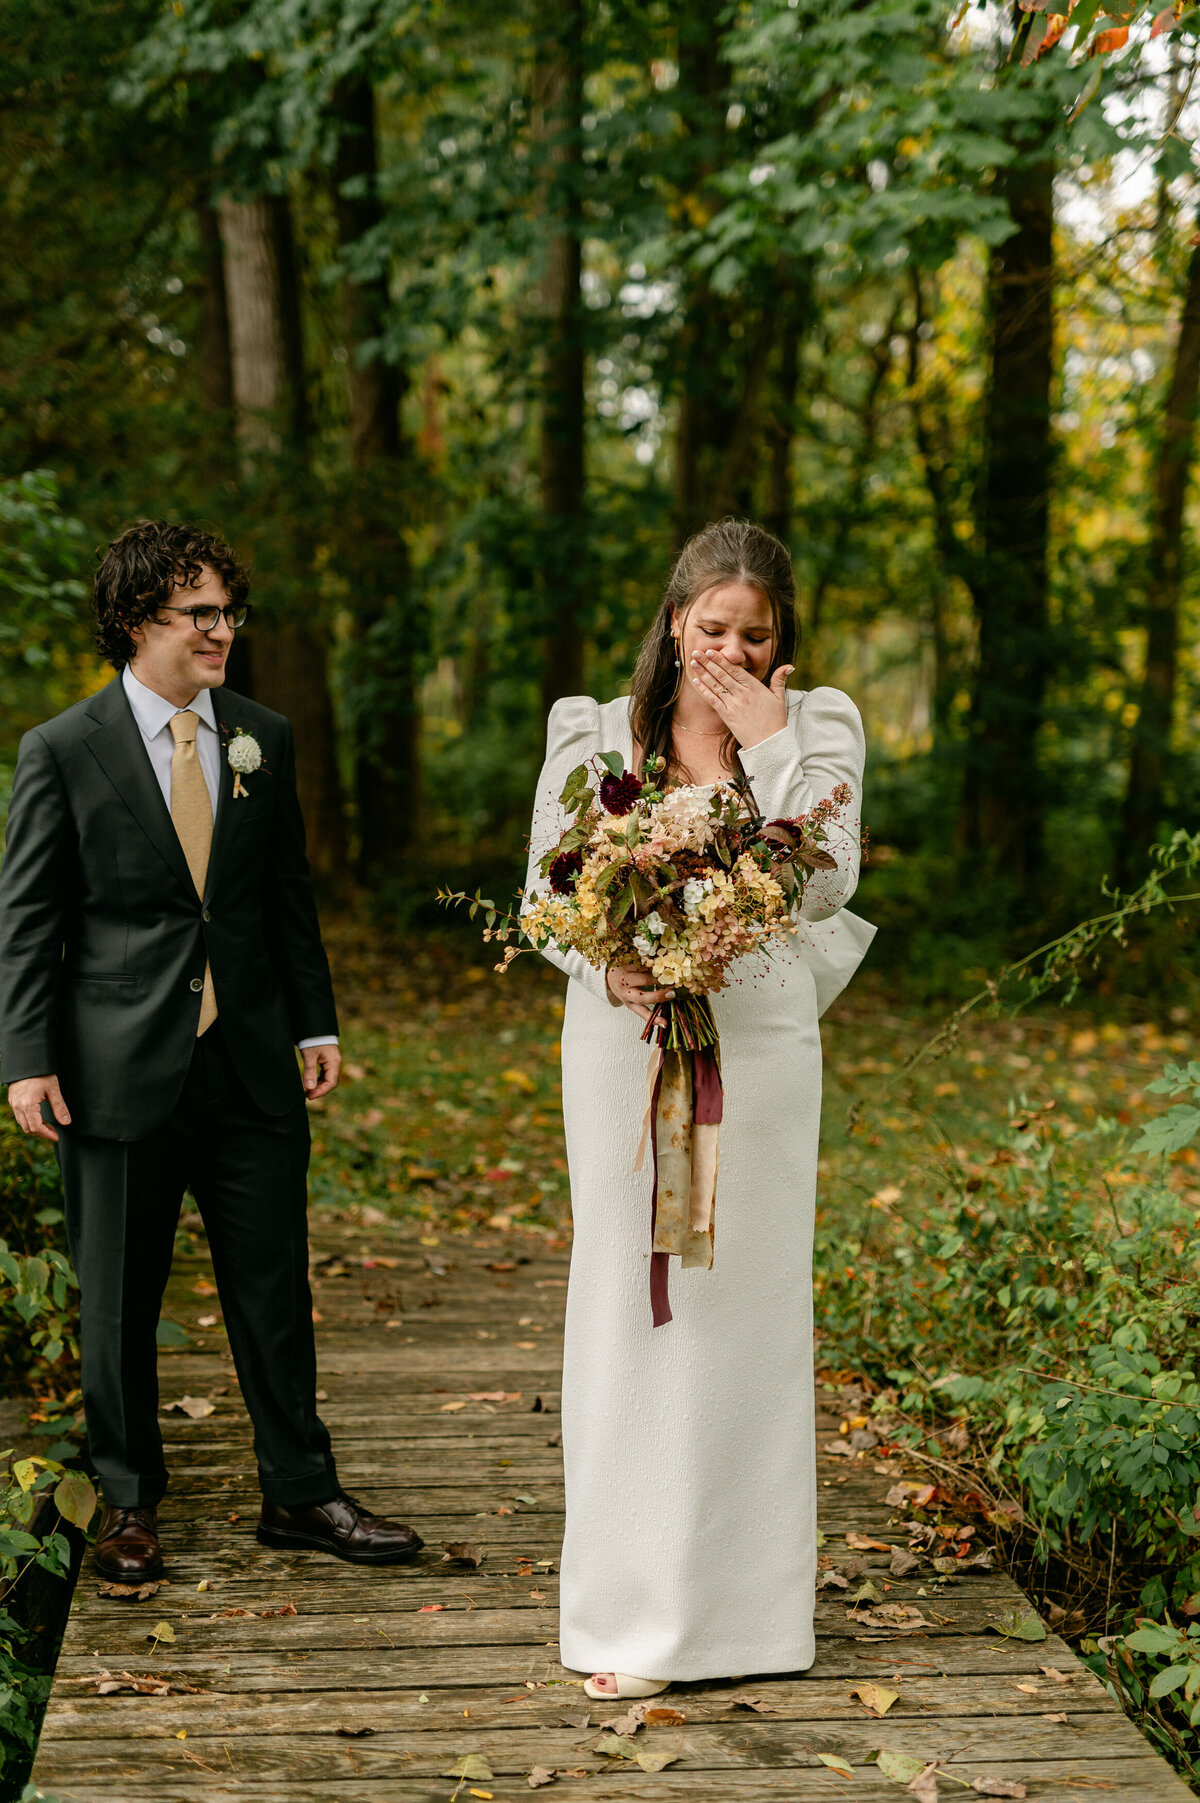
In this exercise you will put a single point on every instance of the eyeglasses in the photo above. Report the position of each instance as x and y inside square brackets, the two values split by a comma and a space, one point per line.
[204, 619]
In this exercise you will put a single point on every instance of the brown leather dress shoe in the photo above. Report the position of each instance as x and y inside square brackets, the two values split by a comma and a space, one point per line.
[342, 1527]
[127, 1549]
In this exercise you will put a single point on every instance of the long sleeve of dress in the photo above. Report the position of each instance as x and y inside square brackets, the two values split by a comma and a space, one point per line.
[572, 736]
[821, 746]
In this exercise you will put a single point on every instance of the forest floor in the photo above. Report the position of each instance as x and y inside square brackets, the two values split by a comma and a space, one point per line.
[449, 1109]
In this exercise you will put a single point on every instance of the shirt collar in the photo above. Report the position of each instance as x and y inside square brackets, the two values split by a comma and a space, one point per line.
[153, 712]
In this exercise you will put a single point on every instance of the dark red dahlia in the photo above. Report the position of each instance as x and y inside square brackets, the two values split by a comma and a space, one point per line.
[564, 870]
[620, 794]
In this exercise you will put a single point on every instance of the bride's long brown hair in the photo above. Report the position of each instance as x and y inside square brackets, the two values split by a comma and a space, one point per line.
[729, 550]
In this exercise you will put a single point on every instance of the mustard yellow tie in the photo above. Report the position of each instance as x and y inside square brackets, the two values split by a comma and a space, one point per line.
[191, 811]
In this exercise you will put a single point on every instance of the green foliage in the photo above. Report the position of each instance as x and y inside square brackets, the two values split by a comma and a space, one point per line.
[43, 622]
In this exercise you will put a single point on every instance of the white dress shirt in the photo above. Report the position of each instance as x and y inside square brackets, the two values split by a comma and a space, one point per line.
[153, 714]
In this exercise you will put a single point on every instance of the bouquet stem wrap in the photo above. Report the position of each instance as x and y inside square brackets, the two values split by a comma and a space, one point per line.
[683, 1125]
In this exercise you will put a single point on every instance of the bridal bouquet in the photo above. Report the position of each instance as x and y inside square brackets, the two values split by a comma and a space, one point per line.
[680, 882]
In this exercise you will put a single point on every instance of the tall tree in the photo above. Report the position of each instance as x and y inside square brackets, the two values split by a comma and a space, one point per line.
[1145, 795]
[1002, 800]
[289, 658]
[373, 551]
[557, 131]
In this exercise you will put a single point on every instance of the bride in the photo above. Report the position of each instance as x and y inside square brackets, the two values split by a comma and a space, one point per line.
[690, 1548]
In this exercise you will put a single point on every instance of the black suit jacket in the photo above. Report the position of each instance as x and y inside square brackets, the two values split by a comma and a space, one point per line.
[103, 938]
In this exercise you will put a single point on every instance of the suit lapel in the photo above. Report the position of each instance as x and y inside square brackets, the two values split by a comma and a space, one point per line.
[118, 748]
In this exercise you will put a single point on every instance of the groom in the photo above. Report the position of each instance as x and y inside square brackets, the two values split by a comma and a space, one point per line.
[160, 962]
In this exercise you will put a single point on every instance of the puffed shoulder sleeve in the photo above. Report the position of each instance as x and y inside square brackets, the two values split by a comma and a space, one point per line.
[821, 746]
[572, 736]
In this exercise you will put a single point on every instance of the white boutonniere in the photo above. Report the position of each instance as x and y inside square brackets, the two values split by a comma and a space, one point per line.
[245, 755]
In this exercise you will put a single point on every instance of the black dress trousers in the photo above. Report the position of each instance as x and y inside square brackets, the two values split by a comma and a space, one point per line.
[248, 1173]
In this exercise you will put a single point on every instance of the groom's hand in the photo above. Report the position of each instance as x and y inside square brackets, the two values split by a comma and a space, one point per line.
[25, 1099]
[322, 1065]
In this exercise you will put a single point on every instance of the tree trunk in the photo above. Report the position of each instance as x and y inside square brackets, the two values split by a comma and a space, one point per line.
[931, 436]
[218, 455]
[289, 655]
[374, 554]
[1150, 755]
[706, 343]
[781, 435]
[557, 129]
[1001, 813]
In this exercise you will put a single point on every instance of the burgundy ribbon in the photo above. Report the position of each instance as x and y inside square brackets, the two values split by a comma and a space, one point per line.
[708, 1102]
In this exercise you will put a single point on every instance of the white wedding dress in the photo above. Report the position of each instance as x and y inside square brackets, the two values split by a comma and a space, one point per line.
[690, 1548]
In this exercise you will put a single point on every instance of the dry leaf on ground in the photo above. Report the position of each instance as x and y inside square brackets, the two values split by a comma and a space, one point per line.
[194, 1407]
[540, 1775]
[655, 1755]
[469, 1765]
[461, 1552]
[140, 1591]
[630, 1722]
[758, 1704]
[902, 1562]
[924, 1786]
[897, 1616]
[862, 1543]
[837, 1764]
[665, 1718]
[999, 1787]
[875, 1698]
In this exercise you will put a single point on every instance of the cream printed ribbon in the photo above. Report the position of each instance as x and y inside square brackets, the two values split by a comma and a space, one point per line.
[684, 1105]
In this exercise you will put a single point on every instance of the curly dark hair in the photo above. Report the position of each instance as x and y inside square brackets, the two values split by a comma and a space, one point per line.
[141, 570]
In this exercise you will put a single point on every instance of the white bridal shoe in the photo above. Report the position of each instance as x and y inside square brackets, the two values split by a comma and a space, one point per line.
[625, 1687]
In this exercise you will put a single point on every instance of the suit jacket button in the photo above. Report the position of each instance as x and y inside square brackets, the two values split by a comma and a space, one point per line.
[206, 915]
[196, 985]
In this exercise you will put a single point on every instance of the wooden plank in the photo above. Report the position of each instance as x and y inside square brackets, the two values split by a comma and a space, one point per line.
[481, 1673]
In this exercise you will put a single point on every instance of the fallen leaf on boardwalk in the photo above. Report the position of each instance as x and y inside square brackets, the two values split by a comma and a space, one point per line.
[924, 1786]
[448, 1407]
[162, 1631]
[662, 1751]
[1031, 1690]
[665, 1718]
[999, 1787]
[838, 1449]
[495, 1396]
[501, 1264]
[903, 1562]
[759, 1704]
[901, 1768]
[202, 1287]
[832, 1580]
[540, 1775]
[148, 1684]
[866, 1593]
[1052, 1717]
[469, 1765]
[614, 1746]
[897, 1616]
[630, 1722]
[1017, 1626]
[862, 1543]
[141, 1591]
[287, 1609]
[1052, 1671]
[430, 1608]
[461, 1552]
[875, 1698]
[837, 1764]
[222, 1613]
[900, 1495]
[355, 1733]
[195, 1407]
[206, 1320]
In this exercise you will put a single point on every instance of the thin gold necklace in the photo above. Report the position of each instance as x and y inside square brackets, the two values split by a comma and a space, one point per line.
[696, 732]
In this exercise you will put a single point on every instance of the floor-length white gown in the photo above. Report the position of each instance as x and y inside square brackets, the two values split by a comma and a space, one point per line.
[690, 1547]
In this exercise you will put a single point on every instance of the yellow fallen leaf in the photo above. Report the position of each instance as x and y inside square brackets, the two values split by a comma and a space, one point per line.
[448, 1407]
[875, 1698]
[836, 1764]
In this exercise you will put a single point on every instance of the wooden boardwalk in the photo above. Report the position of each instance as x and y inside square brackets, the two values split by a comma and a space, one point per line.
[297, 1678]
